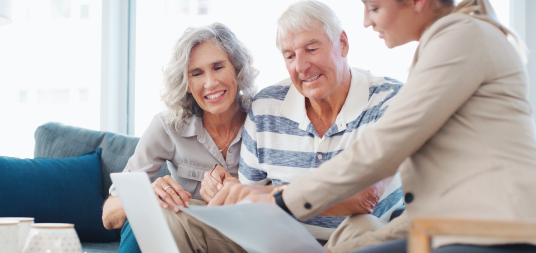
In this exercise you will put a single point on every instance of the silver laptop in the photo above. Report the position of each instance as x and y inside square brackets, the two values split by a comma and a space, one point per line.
[144, 213]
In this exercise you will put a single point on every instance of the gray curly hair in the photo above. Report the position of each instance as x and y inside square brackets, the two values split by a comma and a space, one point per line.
[181, 105]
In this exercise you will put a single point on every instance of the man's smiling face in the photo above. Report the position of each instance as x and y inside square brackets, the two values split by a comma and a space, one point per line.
[314, 63]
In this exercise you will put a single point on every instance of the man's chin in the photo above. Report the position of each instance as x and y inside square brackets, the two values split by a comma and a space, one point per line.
[314, 95]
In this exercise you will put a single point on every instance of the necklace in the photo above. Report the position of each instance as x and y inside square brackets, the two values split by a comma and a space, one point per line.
[229, 142]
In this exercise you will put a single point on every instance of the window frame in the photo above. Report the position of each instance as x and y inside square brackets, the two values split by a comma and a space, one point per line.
[523, 22]
[118, 66]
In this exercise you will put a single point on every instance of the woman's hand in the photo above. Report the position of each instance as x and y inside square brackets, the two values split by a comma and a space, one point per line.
[213, 182]
[233, 192]
[170, 193]
[113, 215]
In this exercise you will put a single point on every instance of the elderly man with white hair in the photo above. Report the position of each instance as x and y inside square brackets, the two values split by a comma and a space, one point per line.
[301, 122]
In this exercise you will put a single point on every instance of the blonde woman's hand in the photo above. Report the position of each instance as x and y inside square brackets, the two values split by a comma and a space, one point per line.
[234, 192]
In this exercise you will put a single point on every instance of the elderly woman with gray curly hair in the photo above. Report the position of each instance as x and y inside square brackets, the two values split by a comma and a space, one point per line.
[208, 89]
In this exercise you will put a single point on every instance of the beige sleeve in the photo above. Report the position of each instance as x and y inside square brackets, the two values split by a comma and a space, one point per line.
[447, 71]
[153, 149]
[398, 228]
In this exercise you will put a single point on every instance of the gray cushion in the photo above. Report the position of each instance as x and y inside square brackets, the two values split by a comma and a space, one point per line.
[55, 140]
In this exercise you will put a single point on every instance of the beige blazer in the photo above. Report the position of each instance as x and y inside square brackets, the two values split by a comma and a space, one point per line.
[460, 129]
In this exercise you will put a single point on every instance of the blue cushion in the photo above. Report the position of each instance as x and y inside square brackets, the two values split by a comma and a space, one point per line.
[67, 190]
[55, 140]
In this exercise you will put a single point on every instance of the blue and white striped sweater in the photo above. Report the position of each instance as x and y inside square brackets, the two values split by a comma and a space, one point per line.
[275, 148]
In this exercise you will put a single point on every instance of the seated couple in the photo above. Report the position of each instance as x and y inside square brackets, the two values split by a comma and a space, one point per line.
[217, 131]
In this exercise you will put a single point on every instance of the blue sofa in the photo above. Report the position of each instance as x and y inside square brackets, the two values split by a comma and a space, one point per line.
[55, 140]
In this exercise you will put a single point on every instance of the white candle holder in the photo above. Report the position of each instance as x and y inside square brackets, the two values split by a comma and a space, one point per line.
[23, 228]
[52, 238]
[9, 242]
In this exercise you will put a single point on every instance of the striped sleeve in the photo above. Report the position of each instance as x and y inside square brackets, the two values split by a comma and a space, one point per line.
[249, 171]
[383, 92]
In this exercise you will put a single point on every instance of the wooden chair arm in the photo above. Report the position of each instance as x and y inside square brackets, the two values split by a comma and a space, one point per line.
[422, 229]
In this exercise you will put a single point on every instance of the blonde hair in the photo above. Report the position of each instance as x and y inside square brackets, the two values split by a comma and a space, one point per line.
[482, 9]
[181, 105]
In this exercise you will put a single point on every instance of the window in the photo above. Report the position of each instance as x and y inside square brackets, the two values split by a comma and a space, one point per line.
[60, 60]
[49, 69]
[160, 22]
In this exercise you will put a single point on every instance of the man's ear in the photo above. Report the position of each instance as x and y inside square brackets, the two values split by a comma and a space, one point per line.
[343, 44]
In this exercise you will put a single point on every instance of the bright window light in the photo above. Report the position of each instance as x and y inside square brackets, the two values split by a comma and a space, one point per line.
[50, 62]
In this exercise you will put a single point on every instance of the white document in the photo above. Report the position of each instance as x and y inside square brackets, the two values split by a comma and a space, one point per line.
[258, 227]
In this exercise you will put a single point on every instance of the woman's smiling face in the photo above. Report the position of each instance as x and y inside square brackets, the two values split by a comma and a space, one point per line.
[211, 78]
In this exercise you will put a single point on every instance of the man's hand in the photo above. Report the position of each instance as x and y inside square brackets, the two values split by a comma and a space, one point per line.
[172, 194]
[233, 192]
[213, 182]
[361, 203]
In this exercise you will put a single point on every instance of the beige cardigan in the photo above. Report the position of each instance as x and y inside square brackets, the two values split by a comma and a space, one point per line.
[460, 129]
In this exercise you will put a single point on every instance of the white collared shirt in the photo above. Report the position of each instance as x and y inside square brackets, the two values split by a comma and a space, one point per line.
[189, 153]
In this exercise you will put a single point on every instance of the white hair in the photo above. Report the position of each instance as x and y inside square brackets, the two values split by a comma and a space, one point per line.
[306, 16]
[181, 105]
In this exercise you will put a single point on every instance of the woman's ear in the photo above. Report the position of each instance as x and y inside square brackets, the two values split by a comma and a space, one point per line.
[420, 5]
[188, 89]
